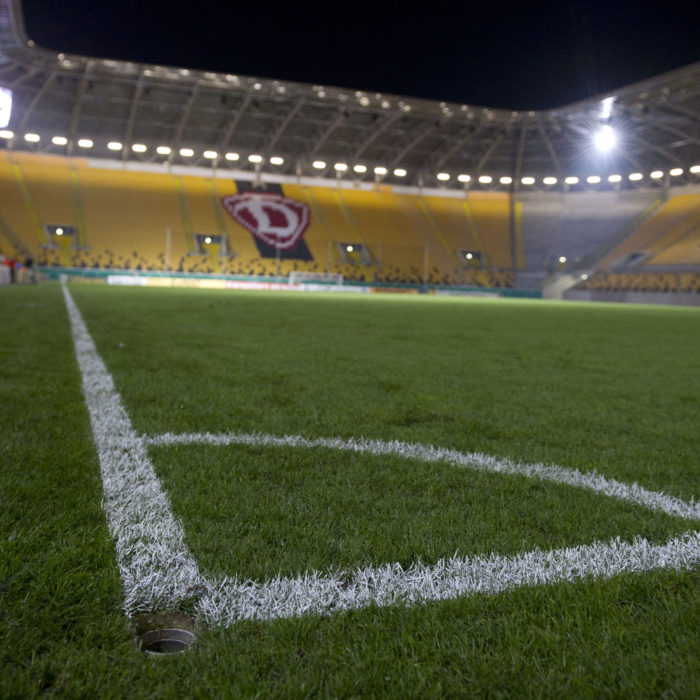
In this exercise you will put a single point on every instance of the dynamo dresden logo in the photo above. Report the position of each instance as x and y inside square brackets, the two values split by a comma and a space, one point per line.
[276, 220]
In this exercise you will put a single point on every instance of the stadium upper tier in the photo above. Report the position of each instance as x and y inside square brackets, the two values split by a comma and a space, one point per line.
[76, 105]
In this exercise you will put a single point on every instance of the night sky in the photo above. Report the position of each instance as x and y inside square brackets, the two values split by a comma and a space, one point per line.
[529, 55]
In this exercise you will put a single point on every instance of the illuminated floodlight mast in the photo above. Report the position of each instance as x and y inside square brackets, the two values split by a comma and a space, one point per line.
[5, 107]
[605, 138]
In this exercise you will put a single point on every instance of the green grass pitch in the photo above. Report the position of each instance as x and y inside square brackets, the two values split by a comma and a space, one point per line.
[609, 388]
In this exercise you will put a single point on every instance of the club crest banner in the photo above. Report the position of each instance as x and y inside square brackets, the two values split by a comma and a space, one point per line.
[278, 221]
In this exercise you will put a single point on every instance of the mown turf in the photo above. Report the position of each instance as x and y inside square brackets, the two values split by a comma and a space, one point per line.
[592, 387]
[257, 512]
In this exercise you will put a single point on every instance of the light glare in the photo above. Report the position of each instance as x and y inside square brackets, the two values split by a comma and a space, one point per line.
[605, 138]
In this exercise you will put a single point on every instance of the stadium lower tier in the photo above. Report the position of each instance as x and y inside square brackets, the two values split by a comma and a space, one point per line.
[73, 213]
[684, 282]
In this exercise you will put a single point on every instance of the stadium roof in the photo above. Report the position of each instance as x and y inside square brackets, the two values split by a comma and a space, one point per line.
[290, 126]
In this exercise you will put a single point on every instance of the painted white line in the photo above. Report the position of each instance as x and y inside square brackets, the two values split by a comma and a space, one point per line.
[156, 568]
[315, 594]
[592, 481]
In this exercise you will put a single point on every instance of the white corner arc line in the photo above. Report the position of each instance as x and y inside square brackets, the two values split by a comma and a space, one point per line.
[155, 565]
[592, 481]
[157, 568]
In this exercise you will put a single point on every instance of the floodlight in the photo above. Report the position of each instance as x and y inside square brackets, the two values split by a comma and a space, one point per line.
[656, 175]
[341, 167]
[635, 177]
[139, 148]
[114, 146]
[207, 240]
[584, 276]
[277, 160]
[571, 180]
[614, 178]
[86, 143]
[380, 170]
[506, 180]
[695, 169]
[593, 179]
[5, 107]
[485, 179]
[59, 231]
[675, 172]
[211, 155]
[469, 256]
[527, 180]
[443, 177]
[319, 164]
[7, 134]
[562, 259]
[59, 140]
[232, 156]
[549, 180]
[186, 152]
[255, 158]
[359, 168]
[349, 248]
[604, 139]
[163, 150]
[464, 178]
[399, 172]
[32, 138]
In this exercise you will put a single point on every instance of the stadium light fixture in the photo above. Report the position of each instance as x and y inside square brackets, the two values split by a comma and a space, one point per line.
[443, 177]
[139, 148]
[207, 240]
[469, 256]
[527, 180]
[211, 155]
[399, 172]
[380, 170]
[7, 134]
[605, 138]
[635, 177]
[549, 180]
[359, 168]
[463, 177]
[614, 178]
[59, 231]
[656, 175]
[319, 164]
[59, 140]
[164, 150]
[32, 138]
[562, 259]
[115, 146]
[232, 156]
[584, 276]
[340, 167]
[277, 160]
[695, 169]
[86, 143]
[675, 172]
[485, 179]
[5, 106]
[186, 152]
[255, 158]
[506, 180]
[571, 180]
[606, 107]
[593, 179]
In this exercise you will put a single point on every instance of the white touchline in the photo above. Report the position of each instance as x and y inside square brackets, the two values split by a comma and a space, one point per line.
[157, 569]
[634, 493]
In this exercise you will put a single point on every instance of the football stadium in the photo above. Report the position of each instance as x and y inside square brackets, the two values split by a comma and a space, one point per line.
[317, 391]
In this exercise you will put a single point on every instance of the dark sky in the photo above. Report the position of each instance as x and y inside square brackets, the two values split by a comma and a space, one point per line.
[525, 55]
